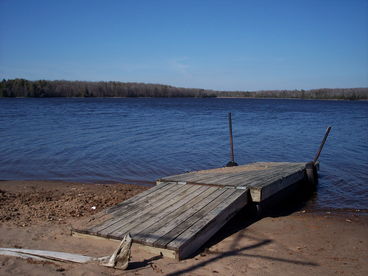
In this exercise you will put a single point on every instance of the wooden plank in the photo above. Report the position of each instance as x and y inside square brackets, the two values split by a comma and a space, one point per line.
[260, 193]
[154, 250]
[143, 221]
[167, 217]
[233, 176]
[161, 228]
[206, 176]
[140, 201]
[180, 177]
[121, 228]
[267, 179]
[224, 179]
[131, 210]
[235, 180]
[192, 178]
[232, 179]
[180, 218]
[263, 177]
[195, 236]
[215, 179]
[132, 203]
[155, 202]
[248, 170]
[270, 178]
[134, 200]
[178, 230]
[132, 207]
[198, 175]
[269, 190]
[225, 170]
[105, 215]
[276, 170]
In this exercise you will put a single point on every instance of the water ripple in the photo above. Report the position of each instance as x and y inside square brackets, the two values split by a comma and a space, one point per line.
[115, 140]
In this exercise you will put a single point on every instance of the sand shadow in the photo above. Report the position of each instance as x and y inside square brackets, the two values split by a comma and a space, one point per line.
[290, 200]
[144, 263]
[240, 252]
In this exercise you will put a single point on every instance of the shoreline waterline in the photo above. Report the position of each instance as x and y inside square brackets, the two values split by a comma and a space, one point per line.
[308, 205]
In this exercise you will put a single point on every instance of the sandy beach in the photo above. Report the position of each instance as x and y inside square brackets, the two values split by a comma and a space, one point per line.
[40, 215]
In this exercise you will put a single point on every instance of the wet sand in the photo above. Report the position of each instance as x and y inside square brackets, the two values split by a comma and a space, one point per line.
[40, 214]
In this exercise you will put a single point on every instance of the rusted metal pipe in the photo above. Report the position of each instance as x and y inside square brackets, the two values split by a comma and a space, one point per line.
[322, 144]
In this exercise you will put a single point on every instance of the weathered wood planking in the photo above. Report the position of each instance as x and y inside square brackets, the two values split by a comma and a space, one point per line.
[212, 221]
[182, 212]
[220, 175]
[146, 219]
[262, 178]
[171, 217]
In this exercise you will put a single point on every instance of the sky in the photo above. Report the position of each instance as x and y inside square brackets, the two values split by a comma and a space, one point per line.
[220, 45]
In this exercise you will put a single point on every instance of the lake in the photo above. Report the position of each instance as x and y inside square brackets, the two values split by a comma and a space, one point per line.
[137, 140]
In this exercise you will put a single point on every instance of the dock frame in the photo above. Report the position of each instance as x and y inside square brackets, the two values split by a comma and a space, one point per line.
[178, 215]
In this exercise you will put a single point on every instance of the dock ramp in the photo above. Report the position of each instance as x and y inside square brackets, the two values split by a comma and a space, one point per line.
[182, 212]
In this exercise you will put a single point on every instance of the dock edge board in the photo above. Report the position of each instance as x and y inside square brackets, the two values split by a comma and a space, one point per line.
[172, 254]
[212, 227]
[259, 194]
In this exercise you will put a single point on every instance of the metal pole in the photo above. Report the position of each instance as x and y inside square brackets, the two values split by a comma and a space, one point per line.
[322, 144]
[231, 138]
[232, 160]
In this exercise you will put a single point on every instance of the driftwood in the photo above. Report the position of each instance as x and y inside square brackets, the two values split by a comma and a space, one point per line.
[119, 259]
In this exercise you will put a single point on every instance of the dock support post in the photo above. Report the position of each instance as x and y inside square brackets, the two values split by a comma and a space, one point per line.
[232, 162]
[322, 144]
[259, 209]
[311, 167]
[312, 175]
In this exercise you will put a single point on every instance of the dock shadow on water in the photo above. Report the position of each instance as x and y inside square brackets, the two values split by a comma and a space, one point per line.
[292, 200]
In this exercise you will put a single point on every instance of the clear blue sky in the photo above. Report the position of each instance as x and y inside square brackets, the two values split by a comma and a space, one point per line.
[225, 45]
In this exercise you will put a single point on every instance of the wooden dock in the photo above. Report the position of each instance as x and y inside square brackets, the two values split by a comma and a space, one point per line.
[182, 212]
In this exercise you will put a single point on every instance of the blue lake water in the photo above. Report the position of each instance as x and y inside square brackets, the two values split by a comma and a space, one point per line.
[142, 139]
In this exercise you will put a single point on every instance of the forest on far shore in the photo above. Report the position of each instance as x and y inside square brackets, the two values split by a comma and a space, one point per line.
[62, 88]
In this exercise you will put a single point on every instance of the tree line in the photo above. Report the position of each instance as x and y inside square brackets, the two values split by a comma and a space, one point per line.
[62, 88]
[317, 94]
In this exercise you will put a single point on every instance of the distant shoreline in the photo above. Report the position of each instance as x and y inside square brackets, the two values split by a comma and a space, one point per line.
[246, 98]
[14, 88]
[263, 98]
